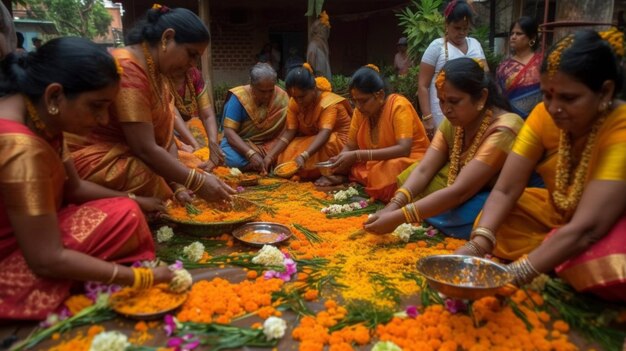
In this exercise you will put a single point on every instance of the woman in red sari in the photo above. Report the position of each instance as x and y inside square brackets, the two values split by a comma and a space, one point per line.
[55, 228]
[386, 136]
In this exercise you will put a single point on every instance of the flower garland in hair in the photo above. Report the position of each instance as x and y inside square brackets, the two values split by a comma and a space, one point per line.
[324, 19]
[373, 66]
[455, 156]
[615, 38]
[449, 8]
[118, 66]
[323, 84]
[308, 67]
[161, 8]
[554, 59]
[34, 116]
[480, 63]
[566, 195]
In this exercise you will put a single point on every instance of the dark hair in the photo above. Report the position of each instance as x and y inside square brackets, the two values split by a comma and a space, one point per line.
[590, 59]
[301, 78]
[458, 10]
[367, 80]
[188, 26]
[78, 64]
[529, 26]
[20, 40]
[467, 76]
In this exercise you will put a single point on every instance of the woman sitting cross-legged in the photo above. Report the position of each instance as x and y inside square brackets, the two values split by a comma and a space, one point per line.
[576, 139]
[318, 122]
[46, 242]
[386, 136]
[448, 187]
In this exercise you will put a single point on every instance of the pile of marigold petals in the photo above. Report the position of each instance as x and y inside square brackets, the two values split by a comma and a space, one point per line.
[494, 327]
[220, 301]
[313, 332]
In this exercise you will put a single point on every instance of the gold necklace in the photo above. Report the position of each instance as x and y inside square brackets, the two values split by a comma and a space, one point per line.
[455, 156]
[155, 79]
[566, 195]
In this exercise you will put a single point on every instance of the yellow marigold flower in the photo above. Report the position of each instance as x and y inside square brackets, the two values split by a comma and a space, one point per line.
[325, 19]
[373, 66]
[156, 6]
[615, 38]
[323, 84]
[308, 67]
[441, 80]
[118, 66]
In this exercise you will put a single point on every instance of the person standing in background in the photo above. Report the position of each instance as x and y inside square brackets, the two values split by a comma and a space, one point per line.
[317, 53]
[402, 62]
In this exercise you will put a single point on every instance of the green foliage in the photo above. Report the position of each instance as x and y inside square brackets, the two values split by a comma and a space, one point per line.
[85, 18]
[422, 22]
[481, 33]
[340, 84]
[314, 7]
[405, 85]
[219, 95]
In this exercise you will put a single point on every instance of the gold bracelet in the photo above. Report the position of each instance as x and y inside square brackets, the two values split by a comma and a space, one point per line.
[190, 176]
[132, 196]
[427, 117]
[477, 249]
[358, 156]
[250, 153]
[305, 155]
[370, 151]
[114, 275]
[199, 182]
[416, 213]
[407, 216]
[283, 139]
[397, 201]
[486, 233]
[179, 190]
[407, 193]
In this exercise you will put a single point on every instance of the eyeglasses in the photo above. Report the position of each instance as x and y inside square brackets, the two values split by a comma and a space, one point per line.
[361, 101]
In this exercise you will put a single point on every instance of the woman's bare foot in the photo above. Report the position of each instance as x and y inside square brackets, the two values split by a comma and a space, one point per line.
[331, 180]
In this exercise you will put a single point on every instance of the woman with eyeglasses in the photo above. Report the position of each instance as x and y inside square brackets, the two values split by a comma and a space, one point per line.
[448, 187]
[386, 136]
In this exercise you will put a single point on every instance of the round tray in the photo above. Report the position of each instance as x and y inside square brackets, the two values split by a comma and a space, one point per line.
[208, 229]
[115, 301]
[274, 233]
[278, 170]
[464, 277]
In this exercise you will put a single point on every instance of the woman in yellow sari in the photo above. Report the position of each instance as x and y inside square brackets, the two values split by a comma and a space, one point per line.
[135, 151]
[386, 136]
[576, 139]
[318, 122]
[449, 186]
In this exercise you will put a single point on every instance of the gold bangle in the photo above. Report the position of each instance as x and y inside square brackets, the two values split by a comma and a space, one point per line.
[199, 182]
[179, 190]
[477, 249]
[358, 156]
[283, 139]
[250, 153]
[484, 232]
[114, 275]
[370, 152]
[305, 155]
[190, 176]
[407, 193]
[415, 212]
[132, 196]
[427, 117]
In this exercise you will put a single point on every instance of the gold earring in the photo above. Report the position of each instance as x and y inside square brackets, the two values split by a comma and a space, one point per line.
[479, 108]
[531, 43]
[53, 110]
[164, 45]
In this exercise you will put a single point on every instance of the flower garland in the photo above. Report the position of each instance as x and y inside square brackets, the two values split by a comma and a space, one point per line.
[554, 59]
[566, 195]
[615, 38]
[324, 19]
[455, 156]
[155, 79]
[191, 109]
[337, 208]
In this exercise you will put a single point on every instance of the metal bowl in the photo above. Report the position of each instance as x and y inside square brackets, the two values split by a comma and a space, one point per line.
[262, 233]
[280, 170]
[326, 168]
[463, 277]
[115, 304]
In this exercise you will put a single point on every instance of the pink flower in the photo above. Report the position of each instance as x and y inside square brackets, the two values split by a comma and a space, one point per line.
[363, 203]
[169, 324]
[240, 189]
[454, 306]
[176, 265]
[185, 343]
[411, 311]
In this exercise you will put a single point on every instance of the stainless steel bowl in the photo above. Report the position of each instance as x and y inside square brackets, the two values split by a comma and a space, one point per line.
[463, 277]
[262, 233]
[326, 168]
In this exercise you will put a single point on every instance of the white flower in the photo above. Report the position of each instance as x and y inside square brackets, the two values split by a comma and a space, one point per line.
[404, 232]
[181, 282]
[235, 172]
[274, 328]
[164, 234]
[269, 256]
[194, 251]
[109, 341]
[386, 346]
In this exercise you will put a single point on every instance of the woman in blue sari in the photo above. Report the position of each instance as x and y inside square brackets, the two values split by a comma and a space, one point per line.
[518, 75]
[448, 187]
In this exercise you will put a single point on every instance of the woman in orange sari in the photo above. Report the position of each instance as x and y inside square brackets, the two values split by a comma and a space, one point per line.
[576, 140]
[135, 151]
[386, 136]
[318, 122]
[56, 229]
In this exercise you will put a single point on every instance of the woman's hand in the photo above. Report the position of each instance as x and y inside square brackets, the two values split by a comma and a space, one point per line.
[267, 162]
[344, 161]
[186, 147]
[300, 161]
[184, 196]
[430, 127]
[383, 223]
[216, 155]
[464, 250]
[214, 189]
[150, 204]
[162, 274]
[258, 163]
